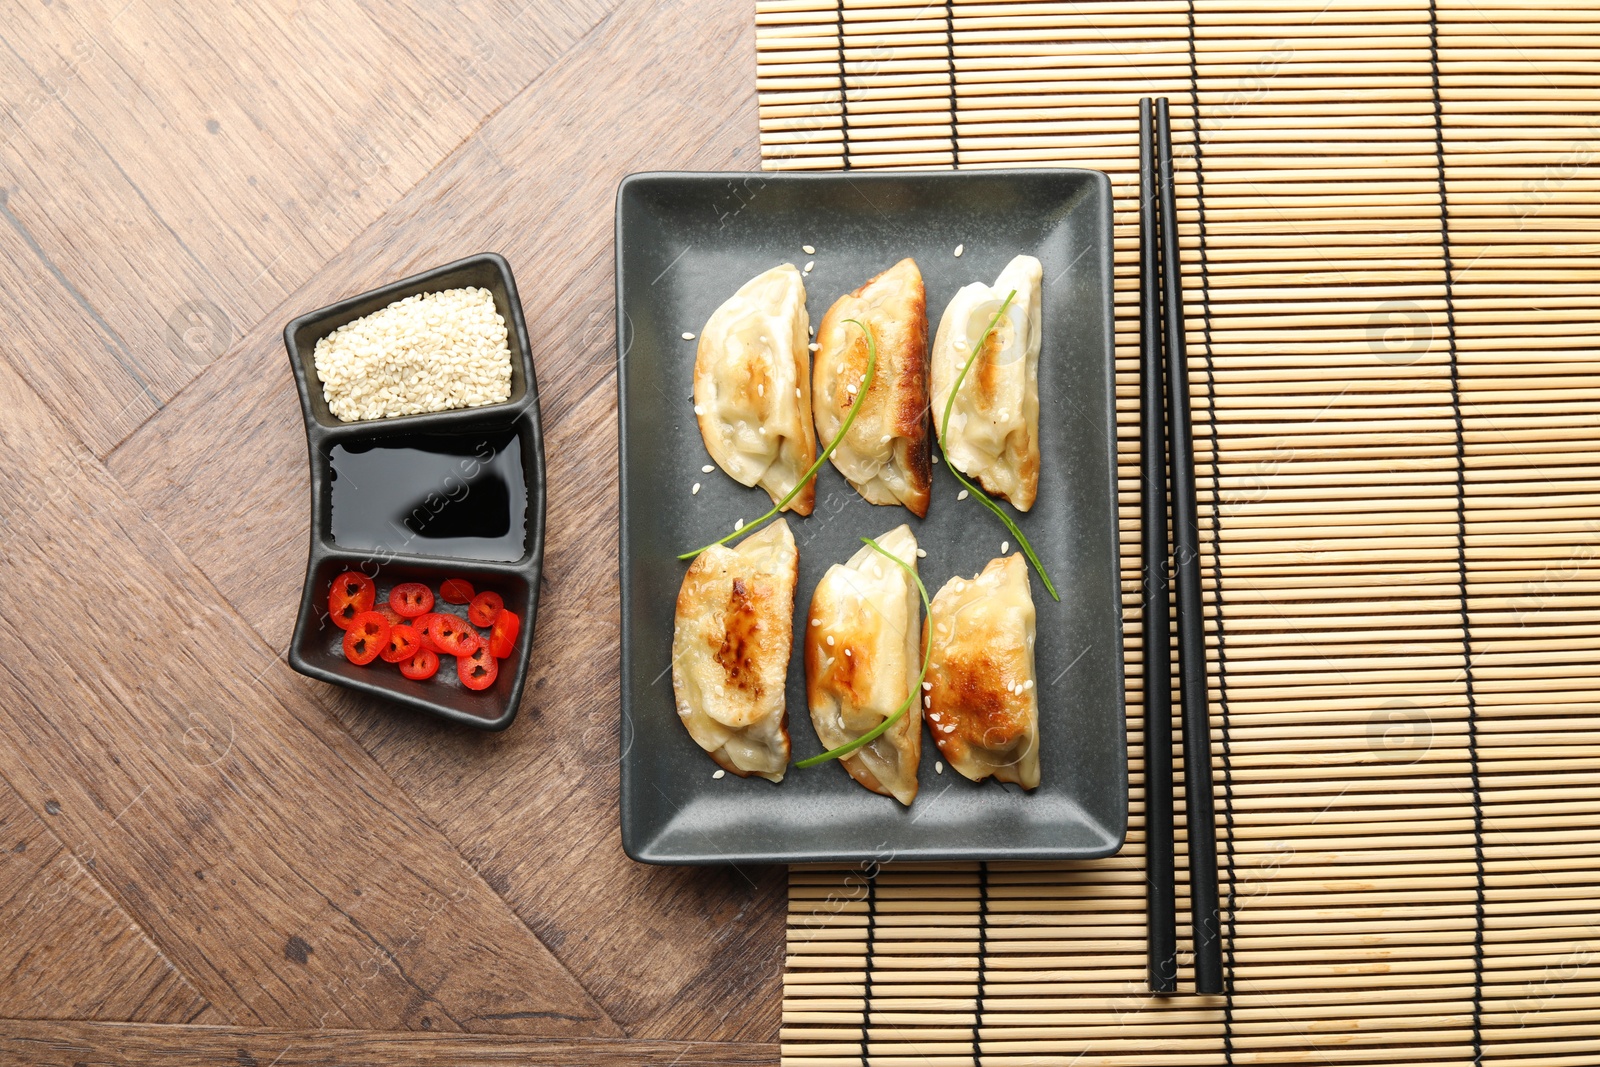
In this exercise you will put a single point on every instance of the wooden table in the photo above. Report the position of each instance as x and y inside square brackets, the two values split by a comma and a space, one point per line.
[204, 857]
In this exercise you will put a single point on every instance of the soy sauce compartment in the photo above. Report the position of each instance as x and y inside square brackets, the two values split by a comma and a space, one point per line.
[459, 495]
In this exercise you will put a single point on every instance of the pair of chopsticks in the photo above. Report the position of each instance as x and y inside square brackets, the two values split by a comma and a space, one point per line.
[1161, 304]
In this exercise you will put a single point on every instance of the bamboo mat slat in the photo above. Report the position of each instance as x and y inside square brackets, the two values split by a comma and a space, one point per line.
[1390, 220]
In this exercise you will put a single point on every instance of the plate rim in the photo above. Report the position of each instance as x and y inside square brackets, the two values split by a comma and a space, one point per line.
[642, 850]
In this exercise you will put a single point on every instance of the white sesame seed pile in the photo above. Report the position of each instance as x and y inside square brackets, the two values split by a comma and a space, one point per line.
[428, 352]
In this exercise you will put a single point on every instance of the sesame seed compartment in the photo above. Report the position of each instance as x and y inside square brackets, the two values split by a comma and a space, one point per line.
[429, 322]
[423, 495]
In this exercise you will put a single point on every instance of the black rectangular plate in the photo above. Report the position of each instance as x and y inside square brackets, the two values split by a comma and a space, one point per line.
[685, 243]
[316, 649]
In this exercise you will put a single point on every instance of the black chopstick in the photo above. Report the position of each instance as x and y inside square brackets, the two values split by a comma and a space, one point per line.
[1199, 805]
[1160, 908]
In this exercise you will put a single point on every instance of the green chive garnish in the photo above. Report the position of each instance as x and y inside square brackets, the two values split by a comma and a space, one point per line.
[866, 383]
[979, 494]
[927, 649]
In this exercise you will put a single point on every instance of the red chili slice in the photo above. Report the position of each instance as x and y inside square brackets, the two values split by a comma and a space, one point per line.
[422, 666]
[452, 635]
[503, 638]
[484, 608]
[478, 670]
[367, 635]
[455, 591]
[411, 599]
[404, 642]
[424, 627]
[393, 617]
[351, 594]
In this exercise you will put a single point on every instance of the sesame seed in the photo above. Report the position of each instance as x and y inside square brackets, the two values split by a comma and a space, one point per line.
[922, 553]
[848, 652]
[960, 249]
[797, 390]
[961, 495]
[884, 439]
[816, 622]
[1005, 546]
[927, 702]
[707, 469]
[936, 459]
[950, 728]
[808, 250]
[699, 410]
[687, 336]
[809, 265]
[719, 773]
[1028, 684]
[813, 346]
[830, 640]
[696, 489]
[927, 685]
[761, 389]
[852, 388]
[426, 352]
[938, 766]
[739, 525]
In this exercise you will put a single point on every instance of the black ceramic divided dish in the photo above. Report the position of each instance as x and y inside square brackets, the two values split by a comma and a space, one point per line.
[685, 243]
[317, 650]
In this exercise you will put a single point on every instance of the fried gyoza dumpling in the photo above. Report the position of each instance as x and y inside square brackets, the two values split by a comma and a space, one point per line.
[983, 706]
[886, 453]
[752, 383]
[994, 424]
[863, 655]
[730, 651]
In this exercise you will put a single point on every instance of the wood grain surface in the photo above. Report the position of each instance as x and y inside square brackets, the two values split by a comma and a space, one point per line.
[40, 1043]
[207, 837]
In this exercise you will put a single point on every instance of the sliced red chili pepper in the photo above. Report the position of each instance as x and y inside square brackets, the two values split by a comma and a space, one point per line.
[366, 636]
[478, 670]
[422, 666]
[503, 638]
[455, 591]
[411, 599]
[351, 594]
[424, 627]
[404, 642]
[391, 616]
[451, 635]
[484, 608]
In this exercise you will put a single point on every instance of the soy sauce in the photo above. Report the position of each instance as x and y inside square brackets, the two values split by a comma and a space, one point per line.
[461, 495]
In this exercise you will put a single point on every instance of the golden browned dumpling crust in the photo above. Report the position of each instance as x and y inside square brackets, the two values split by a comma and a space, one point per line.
[863, 655]
[887, 453]
[752, 386]
[731, 638]
[994, 423]
[982, 703]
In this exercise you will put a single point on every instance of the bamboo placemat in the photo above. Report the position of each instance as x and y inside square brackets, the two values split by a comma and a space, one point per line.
[1389, 220]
